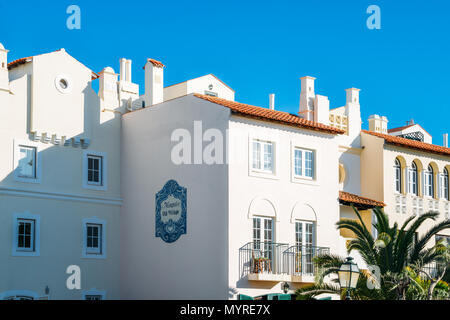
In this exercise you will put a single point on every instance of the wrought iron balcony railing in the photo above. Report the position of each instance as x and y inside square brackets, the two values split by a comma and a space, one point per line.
[278, 259]
[261, 257]
[299, 260]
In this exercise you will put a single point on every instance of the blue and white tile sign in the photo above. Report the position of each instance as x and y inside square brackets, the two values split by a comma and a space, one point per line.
[171, 212]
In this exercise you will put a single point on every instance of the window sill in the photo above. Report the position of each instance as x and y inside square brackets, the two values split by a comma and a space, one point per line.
[263, 174]
[93, 256]
[25, 254]
[307, 181]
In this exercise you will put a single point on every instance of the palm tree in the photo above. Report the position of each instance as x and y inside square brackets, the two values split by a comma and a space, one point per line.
[392, 252]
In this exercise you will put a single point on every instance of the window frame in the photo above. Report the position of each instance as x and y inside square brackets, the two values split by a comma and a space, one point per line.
[38, 162]
[428, 186]
[93, 254]
[264, 138]
[444, 189]
[398, 175]
[20, 252]
[303, 175]
[103, 174]
[413, 170]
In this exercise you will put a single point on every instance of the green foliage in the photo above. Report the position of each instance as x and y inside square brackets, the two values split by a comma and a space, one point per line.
[396, 252]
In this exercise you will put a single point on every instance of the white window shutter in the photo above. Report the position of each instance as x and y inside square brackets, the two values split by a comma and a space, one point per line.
[407, 187]
[438, 185]
[422, 182]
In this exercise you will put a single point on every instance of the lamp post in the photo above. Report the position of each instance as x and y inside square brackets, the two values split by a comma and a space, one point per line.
[348, 276]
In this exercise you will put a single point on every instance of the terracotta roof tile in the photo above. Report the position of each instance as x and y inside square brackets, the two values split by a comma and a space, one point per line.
[400, 128]
[350, 198]
[413, 144]
[18, 62]
[270, 115]
[156, 63]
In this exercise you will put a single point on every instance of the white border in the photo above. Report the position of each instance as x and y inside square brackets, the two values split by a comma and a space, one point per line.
[260, 173]
[84, 253]
[58, 87]
[299, 179]
[26, 143]
[104, 172]
[37, 235]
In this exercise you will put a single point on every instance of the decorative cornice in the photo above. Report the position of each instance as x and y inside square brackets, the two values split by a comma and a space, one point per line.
[18, 192]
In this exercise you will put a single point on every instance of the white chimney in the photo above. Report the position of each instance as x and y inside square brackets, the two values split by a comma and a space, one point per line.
[154, 82]
[128, 71]
[272, 101]
[322, 110]
[446, 140]
[378, 124]
[307, 97]
[123, 63]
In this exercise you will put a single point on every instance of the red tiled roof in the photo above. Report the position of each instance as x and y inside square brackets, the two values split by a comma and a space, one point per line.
[400, 128]
[346, 197]
[270, 115]
[18, 62]
[156, 63]
[408, 143]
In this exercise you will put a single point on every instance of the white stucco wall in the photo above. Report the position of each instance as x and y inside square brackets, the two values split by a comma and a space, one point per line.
[196, 265]
[59, 198]
[321, 196]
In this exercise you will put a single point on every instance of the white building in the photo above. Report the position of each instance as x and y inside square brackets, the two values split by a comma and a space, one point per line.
[176, 193]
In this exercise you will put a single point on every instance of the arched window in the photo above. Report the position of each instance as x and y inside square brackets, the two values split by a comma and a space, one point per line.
[444, 185]
[429, 182]
[412, 180]
[398, 176]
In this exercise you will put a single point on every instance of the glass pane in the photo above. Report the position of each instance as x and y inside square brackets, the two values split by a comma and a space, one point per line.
[298, 163]
[27, 164]
[268, 156]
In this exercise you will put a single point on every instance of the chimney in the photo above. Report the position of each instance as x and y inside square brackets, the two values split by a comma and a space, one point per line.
[108, 85]
[123, 63]
[128, 72]
[446, 140]
[307, 97]
[272, 101]
[353, 112]
[4, 74]
[154, 82]
[378, 124]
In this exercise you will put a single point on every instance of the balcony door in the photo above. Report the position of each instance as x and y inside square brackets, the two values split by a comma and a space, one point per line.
[304, 242]
[263, 240]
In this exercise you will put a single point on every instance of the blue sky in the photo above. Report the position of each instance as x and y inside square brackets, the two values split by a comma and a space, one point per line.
[262, 47]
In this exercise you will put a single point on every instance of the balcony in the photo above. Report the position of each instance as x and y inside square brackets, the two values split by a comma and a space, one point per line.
[277, 262]
[299, 262]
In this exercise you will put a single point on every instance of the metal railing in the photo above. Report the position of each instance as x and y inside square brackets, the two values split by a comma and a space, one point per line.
[261, 257]
[434, 269]
[299, 260]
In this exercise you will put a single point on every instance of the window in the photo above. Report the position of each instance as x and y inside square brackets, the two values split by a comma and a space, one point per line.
[398, 176]
[26, 235]
[263, 156]
[94, 238]
[304, 163]
[412, 180]
[94, 295]
[95, 170]
[26, 162]
[263, 238]
[304, 241]
[94, 245]
[429, 182]
[444, 185]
